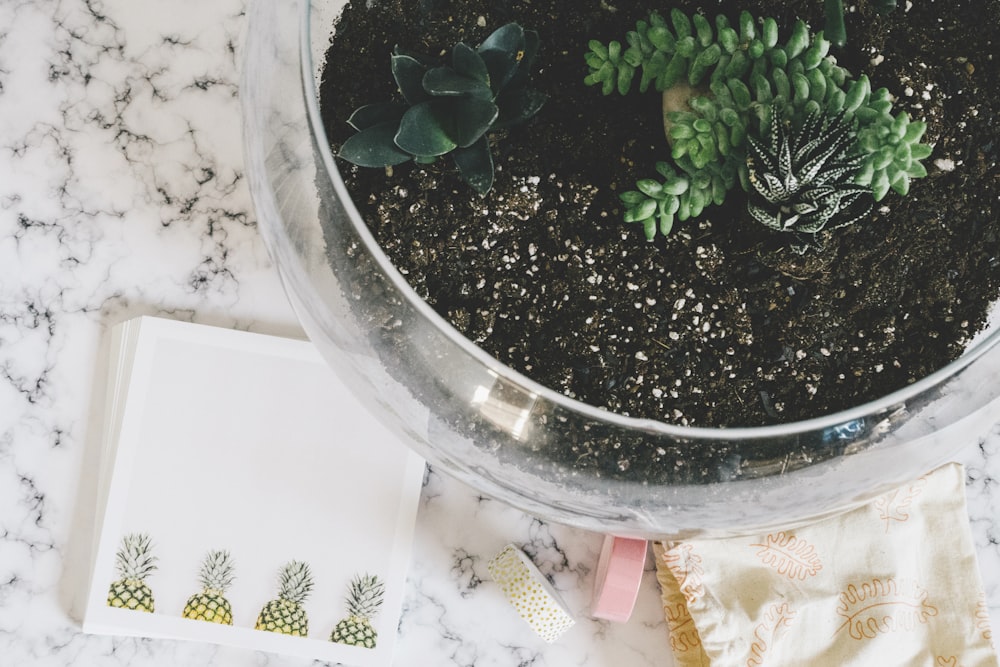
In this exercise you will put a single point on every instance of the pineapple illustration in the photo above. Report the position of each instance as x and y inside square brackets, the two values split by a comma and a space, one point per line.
[134, 564]
[363, 601]
[285, 614]
[210, 604]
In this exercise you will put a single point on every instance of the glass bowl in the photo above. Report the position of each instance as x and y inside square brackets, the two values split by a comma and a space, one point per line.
[508, 436]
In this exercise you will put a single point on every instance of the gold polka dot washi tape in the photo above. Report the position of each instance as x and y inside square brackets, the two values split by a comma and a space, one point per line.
[530, 593]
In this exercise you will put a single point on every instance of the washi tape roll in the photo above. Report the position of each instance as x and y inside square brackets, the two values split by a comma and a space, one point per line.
[529, 592]
[619, 573]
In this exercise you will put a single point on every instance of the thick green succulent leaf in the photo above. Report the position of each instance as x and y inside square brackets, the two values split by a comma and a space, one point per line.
[642, 211]
[466, 119]
[421, 131]
[375, 114]
[409, 75]
[920, 151]
[517, 106]
[531, 44]
[632, 197]
[467, 62]
[509, 37]
[834, 27]
[475, 163]
[444, 81]
[502, 52]
[374, 146]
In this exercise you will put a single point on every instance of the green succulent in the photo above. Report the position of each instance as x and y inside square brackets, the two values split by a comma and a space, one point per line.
[737, 72]
[450, 109]
[893, 153]
[802, 178]
[833, 11]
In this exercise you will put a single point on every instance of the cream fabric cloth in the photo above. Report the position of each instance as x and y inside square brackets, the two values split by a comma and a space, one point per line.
[892, 583]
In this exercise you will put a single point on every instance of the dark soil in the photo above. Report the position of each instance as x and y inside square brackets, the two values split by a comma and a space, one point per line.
[720, 324]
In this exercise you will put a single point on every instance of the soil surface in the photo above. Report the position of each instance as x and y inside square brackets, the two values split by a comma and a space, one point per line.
[721, 324]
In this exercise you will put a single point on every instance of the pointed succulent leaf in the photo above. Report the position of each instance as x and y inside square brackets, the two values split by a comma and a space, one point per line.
[445, 81]
[375, 114]
[475, 164]
[901, 184]
[527, 59]
[518, 105]
[409, 75]
[916, 170]
[467, 119]
[920, 151]
[508, 37]
[502, 52]
[798, 41]
[421, 131]
[374, 146]
[914, 131]
[468, 62]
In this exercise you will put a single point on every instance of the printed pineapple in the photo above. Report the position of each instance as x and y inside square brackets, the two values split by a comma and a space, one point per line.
[134, 564]
[210, 604]
[285, 614]
[363, 602]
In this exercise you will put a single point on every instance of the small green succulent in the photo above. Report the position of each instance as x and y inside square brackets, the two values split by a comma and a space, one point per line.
[449, 109]
[803, 178]
[833, 11]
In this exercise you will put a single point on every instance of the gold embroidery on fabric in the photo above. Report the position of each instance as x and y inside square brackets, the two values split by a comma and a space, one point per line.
[791, 556]
[777, 619]
[883, 606]
[685, 565]
[950, 661]
[683, 634]
[895, 505]
[983, 619]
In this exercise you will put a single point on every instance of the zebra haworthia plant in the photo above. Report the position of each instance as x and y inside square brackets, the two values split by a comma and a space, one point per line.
[735, 73]
[802, 179]
[449, 109]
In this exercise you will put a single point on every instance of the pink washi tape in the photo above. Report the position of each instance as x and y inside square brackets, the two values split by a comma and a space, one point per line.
[619, 573]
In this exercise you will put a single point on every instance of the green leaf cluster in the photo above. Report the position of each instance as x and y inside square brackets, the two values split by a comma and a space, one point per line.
[893, 153]
[739, 71]
[449, 109]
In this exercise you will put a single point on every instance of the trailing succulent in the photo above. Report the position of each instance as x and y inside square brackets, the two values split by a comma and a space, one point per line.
[450, 109]
[739, 73]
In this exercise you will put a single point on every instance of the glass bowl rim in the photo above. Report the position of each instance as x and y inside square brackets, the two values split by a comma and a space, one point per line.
[881, 405]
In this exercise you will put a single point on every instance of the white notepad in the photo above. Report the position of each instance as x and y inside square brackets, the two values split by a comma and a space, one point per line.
[227, 441]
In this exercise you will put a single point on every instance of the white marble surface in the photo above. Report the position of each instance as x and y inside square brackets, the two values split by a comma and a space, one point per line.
[122, 193]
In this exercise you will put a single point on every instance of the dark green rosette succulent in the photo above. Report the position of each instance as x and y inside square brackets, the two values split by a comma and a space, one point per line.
[450, 109]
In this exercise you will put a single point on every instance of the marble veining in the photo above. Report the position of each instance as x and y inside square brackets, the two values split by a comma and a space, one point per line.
[122, 193]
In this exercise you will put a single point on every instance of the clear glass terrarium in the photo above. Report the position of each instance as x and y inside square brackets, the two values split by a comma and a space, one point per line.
[503, 433]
